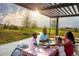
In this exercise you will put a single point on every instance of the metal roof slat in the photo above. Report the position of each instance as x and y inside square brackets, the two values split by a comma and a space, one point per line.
[44, 5]
[36, 6]
[63, 11]
[44, 14]
[50, 12]
[70, 9]
[53, 14]
[53, 4]
[59, 9]
[66, 10]
[40, 6]
[61, 5]
[53, 10]
[74, 9]
[78, 8]
[67, 16]
[57, 12]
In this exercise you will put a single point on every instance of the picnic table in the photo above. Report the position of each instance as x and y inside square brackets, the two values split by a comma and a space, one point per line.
[41, 51]
[30, 50]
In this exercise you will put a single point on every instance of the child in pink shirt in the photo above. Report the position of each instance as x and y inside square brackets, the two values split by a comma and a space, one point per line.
[34, 39]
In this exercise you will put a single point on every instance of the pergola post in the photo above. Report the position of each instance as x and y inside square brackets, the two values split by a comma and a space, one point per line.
[50, 27]
[57, 25]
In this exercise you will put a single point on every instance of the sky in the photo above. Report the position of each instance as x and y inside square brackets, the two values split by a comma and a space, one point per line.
[72, 22]
[13, 14]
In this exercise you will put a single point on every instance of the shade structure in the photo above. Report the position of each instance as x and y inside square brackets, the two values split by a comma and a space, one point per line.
[54, 10]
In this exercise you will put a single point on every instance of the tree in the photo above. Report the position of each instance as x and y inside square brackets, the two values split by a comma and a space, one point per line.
[76, 29]
[5, 26]
[26, 22]
[33, 24]
[53, 23]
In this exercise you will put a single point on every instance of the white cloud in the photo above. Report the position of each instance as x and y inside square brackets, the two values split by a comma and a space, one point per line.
[14, 18]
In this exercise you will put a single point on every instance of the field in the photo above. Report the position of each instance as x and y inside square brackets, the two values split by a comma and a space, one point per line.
[7, 35]
[61, 32]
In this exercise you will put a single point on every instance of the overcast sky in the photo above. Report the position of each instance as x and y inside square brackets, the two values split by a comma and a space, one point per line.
[14, 15]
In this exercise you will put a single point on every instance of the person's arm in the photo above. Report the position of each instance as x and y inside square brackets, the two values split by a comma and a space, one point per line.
[40, 36]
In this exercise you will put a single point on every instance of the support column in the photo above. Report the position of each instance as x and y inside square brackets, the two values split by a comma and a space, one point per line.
[57, 26]
[50, 27]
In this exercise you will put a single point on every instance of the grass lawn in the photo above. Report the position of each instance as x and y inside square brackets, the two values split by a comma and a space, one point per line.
[61, 32]
[7, 36]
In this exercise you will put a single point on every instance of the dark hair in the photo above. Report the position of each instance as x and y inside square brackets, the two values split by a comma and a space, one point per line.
[60, 39]
[34, 34]
[70, 36]
[44, 30]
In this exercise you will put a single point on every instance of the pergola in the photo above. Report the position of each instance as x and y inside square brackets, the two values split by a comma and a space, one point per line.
[54, 10]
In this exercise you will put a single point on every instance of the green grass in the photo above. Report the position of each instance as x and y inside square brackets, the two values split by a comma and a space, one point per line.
[61, 32]
[7, 36]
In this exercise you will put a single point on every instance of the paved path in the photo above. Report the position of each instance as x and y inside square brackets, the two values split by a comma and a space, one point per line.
[7, 49]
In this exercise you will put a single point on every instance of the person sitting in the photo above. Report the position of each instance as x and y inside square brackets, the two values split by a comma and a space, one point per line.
[34, 38]
[60, 47]
[69, 42]
[43, 36]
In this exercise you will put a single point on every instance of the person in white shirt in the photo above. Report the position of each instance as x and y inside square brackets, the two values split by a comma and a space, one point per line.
[61, 47]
